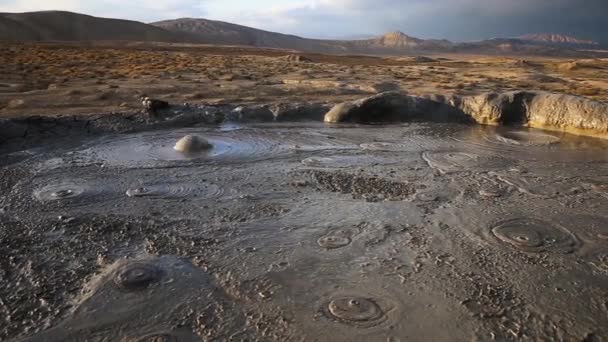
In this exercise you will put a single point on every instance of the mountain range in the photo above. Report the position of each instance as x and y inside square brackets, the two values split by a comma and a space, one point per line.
[68, 26]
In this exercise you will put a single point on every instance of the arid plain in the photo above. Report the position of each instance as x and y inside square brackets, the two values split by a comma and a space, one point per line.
[54, 79]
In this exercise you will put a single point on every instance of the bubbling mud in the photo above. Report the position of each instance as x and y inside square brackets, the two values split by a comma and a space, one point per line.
[56, 192]
[191, 143]
[531, 235]
[137, 276]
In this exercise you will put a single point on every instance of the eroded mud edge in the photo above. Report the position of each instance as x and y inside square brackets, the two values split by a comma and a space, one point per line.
[549, 111]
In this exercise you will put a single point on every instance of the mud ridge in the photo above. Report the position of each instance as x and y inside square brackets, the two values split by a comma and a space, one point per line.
[520, 108]
[516, 108]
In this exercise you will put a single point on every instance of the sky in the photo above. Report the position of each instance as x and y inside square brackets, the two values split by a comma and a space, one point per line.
[457, 20]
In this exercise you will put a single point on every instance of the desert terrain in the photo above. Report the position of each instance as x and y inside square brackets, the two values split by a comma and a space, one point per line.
[292, 195]
[55, 79]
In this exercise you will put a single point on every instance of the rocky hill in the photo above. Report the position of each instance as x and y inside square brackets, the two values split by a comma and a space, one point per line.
[68, 26]
[550, 38]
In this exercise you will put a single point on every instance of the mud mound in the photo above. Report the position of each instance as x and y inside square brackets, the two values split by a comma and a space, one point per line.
[529, 235]
[393, 107]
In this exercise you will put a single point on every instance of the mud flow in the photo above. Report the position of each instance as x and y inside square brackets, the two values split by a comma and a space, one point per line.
[306, 232]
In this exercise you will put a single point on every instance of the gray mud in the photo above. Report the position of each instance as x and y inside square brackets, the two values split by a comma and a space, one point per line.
[306, 232]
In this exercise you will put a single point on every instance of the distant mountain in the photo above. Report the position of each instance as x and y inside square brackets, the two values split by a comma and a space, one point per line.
[68, 26]
[218, 32]
[551, 38]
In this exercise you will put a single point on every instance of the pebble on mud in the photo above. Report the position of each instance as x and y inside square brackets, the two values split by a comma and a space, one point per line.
[192, 143]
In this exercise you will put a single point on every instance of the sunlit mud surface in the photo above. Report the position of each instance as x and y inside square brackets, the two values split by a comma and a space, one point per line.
[307, 232]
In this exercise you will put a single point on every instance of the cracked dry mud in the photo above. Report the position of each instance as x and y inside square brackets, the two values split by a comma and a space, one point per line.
[306, 232]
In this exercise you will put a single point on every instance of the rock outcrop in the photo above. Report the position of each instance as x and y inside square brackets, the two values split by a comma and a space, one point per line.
[522, 108]
[540, 110]
[297, 59]
[394, 107]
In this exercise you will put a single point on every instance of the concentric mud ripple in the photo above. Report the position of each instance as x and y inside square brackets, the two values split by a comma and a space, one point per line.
[203, 191]
[311, 141]
[524, 144]
[531, 235]
[344, 161]
[353, 310]
[337, 238]
[451, 162]
[61, 191]
[527, 138]
[539, 186]
[333, 241]
[158, 147]
[137, 276]
[390, 146]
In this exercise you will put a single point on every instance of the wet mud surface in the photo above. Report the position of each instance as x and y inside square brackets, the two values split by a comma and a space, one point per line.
[306, 232]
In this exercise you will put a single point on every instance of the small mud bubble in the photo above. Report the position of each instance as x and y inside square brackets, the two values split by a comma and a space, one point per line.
[355, 310]
[64, 193]
[57, 192]
[191, 143]
[532, 235]
[333, 241]
[137, 276]
[527, 138]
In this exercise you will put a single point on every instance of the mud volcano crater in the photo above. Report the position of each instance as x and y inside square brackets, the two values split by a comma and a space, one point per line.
[137, 276]
[219, 221]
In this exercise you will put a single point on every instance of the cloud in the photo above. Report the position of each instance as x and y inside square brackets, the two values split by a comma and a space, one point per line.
[453, 19]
